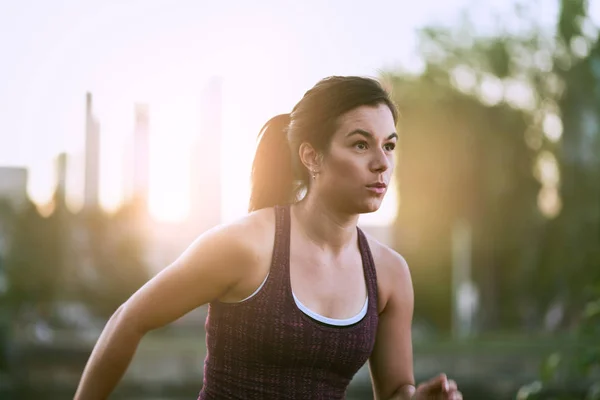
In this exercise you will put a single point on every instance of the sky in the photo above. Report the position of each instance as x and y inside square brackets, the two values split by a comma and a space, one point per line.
[267, 53]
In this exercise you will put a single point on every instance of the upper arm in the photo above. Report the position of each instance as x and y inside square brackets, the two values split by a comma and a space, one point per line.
[391, 363]
[215, 262]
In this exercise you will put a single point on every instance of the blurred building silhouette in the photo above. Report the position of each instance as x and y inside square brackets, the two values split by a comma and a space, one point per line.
[13, 195]
[205, 191]
[92, 156]
[140, 163]
[13, 185]
[61, 183]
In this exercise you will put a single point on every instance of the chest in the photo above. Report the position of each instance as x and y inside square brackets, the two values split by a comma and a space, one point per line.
[333, 288]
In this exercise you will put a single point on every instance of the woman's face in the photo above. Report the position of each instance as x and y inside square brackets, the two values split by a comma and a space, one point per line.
[355, 172]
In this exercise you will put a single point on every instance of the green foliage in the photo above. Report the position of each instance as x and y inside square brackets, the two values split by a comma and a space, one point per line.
[462, 159]
[571, 13]
[117, 247]
[471, 156]
[91, 257]
[580, 367]
[35, 259]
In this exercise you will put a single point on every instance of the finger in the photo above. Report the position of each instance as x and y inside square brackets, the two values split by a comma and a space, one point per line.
[452, 386]
[439, 383]
[445, 385]
[455, 396]
[453, 393]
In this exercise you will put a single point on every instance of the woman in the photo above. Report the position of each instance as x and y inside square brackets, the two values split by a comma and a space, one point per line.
[299, 297]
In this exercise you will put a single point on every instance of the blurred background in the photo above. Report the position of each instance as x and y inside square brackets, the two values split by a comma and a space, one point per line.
[127, 128]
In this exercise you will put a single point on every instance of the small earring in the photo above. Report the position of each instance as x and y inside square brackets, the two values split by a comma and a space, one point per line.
[314, 174]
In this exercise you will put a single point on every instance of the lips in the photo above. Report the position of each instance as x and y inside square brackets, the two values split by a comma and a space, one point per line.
[378, 185]
[377, 188]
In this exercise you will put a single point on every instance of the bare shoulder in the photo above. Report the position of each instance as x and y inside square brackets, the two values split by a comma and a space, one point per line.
[246, 240]
[249, 233]
[393, 273]
[255, 233]
[241, 250]
[213, 266]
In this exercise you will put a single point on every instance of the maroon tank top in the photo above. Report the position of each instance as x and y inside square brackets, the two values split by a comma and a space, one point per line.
[266, 348]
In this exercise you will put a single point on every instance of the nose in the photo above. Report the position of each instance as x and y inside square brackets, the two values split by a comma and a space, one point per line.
[380, 161]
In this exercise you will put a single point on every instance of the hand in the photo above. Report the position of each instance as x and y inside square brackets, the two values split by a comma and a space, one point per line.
[438, 388]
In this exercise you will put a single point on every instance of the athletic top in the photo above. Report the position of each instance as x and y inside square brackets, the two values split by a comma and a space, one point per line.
[267, 347]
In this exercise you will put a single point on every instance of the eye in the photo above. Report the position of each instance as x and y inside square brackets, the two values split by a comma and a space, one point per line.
[361, 145]
[389, 146]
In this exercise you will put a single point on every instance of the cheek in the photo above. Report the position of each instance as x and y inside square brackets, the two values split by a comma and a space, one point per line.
[344, 167]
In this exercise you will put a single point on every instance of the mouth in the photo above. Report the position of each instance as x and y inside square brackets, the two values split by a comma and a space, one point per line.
[377, 187]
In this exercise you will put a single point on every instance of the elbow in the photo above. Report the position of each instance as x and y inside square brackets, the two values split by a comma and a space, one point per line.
[405, 392]
[124, 321]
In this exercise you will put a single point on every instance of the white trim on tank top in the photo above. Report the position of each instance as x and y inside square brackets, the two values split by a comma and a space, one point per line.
[319, 317]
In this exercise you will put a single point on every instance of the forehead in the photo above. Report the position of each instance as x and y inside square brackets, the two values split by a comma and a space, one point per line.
[378, 120]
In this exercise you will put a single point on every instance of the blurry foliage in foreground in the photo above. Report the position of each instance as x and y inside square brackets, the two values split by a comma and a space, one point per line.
[504, 132]
[90, 257]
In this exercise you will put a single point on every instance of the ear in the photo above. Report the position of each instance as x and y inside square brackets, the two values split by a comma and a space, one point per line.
[310, 157]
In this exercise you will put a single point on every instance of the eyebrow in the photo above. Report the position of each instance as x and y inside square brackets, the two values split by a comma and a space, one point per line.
[369, 135]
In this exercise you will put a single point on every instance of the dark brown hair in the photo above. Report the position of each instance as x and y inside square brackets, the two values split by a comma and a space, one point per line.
[278, 176]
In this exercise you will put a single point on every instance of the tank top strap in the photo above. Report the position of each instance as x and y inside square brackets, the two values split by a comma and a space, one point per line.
[281, 247]
[369, 270]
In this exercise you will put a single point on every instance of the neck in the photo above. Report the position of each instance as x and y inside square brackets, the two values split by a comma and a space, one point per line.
[329, 229]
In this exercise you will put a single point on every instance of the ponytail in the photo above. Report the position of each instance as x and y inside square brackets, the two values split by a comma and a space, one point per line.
[272, 178]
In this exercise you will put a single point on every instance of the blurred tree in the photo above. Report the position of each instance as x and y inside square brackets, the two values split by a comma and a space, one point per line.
[36, 258]
[8, 215]
[461, 160]
[92, 257]
[116, 245]
[7, 220]
[572, 240]
[576, 261]
[502, 131]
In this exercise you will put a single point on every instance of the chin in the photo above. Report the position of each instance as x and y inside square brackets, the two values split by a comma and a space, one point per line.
[359, 204]
[369, 206]
[370, 209]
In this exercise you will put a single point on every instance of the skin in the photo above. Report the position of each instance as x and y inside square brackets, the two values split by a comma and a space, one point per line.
[229, 262]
